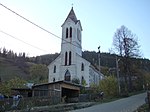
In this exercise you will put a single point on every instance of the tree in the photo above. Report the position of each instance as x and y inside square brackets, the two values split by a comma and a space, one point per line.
[147, 81]
[125, 43]
[109, 86]
[95, 89]
[16, 82]
[126, 46]
[10, 54]
[4, 52]
[39, 73]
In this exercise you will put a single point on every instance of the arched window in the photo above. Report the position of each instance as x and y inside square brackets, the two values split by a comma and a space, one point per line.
[53, 79]
[66, 32]
[67, 76]
[82, 80]
[79, 35]
[66, 56]
[54, 71]
[70, 32]
[70, 58]
[82, 67]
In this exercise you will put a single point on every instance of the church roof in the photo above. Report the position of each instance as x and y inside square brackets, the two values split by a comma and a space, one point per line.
[72, 16]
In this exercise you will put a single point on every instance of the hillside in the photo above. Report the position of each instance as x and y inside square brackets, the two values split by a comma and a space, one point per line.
[19, 66]
[109, 60]
[8, 70]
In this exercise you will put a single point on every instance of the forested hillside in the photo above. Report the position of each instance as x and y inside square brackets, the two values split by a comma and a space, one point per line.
[16, 70]
[109, 60]
[12, 64]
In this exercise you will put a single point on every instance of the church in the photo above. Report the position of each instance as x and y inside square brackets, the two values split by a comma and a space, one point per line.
[70, 65]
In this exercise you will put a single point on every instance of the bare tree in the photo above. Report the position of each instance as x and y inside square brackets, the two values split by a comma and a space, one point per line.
[126, 43]
[126, 46]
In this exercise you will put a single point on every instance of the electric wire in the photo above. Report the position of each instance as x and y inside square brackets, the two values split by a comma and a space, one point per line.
[38, 26]
[22, 41]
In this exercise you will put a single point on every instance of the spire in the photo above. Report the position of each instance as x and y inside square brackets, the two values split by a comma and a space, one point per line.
[72, 15]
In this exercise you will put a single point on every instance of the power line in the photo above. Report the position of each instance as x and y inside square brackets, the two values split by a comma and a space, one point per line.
[22, 41]
[37, 25]
[29, 21]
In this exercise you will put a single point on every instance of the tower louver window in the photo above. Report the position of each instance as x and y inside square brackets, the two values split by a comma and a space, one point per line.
[66, 32]
[70, 32]
[70, 58]
[66, 56]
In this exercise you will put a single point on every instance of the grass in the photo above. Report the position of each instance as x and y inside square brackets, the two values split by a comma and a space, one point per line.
[136, 92]
[9, 70]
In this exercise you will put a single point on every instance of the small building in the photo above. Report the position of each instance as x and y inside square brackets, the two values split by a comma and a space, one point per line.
[57, 90]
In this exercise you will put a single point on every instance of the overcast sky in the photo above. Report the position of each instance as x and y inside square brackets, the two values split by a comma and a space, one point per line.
[99, 20]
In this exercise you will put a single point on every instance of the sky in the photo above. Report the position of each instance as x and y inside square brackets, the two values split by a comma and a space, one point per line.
[99, 19]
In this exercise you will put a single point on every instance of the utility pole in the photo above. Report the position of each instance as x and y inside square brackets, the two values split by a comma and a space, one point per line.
[117, 69]
[99, 60]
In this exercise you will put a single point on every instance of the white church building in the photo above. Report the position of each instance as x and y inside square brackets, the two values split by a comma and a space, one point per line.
[69, 64]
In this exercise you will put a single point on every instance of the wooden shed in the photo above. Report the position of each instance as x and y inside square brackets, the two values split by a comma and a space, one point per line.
[61, 90]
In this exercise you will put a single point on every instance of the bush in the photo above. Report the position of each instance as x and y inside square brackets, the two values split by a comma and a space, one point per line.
[76, 81]
[109, 86]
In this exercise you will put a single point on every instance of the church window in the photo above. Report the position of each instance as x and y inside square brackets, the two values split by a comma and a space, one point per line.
[53, 79]
[66, 32]
[54, 69]
[70, 32]
[79, 35]
[67, 76]
[82, 80]
[82, 67]
[70, 58]
[66, 56]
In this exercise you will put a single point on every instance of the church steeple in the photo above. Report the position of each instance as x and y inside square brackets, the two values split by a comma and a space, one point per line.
[71, 38]
[70, 65]
[72, 15]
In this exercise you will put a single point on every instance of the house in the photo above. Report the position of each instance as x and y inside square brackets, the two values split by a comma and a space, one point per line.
[70, 65]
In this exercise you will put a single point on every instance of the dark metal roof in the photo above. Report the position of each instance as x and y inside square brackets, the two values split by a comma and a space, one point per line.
[72, 16]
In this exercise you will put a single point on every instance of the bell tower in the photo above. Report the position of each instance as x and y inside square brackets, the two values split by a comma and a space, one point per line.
[71, 44]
